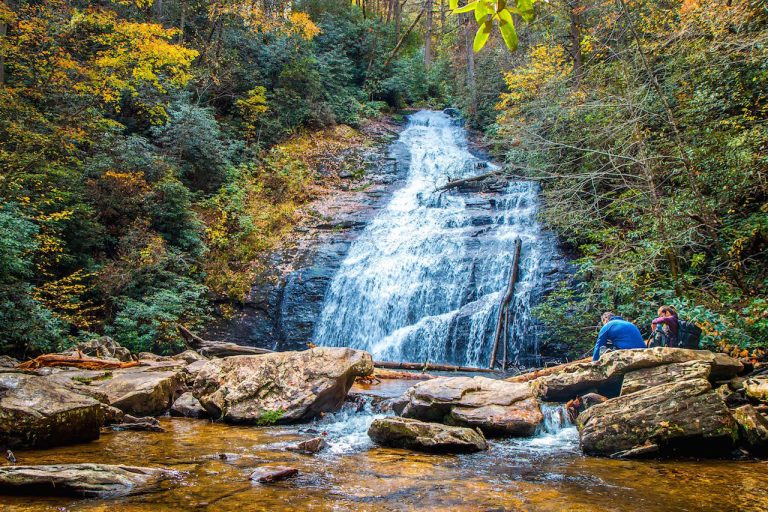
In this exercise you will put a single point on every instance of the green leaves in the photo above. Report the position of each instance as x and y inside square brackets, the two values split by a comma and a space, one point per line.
[488, 11]
[508, 32]
[482, 36]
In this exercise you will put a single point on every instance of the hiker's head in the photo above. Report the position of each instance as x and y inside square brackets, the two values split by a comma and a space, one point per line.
[607, 317]
[667, 311]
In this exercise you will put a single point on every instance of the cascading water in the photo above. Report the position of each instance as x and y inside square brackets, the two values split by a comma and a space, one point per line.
[424, 280]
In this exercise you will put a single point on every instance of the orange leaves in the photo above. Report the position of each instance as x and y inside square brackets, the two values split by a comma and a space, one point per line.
[302, 25]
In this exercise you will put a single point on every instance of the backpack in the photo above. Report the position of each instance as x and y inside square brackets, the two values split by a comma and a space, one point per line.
[688, 334]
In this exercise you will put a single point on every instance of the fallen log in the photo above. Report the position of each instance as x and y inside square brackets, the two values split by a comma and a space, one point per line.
[217, 348]
[429, 366]
[506, 172]
[383, 373]
[526, 377]
[81, 362]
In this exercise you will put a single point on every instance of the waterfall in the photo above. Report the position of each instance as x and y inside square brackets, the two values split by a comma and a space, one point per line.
[424, 279]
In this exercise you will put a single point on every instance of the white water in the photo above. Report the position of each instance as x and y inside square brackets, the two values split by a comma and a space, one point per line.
[424, 279]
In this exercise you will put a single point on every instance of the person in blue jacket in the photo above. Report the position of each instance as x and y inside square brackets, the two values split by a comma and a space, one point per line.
[620, 333]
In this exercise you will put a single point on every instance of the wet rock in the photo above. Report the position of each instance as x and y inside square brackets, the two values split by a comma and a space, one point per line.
[756, 388]
[582, 403]
[395, 405]
[576, 379]
[753, 429]
[427, 437]
[280, 387]
[497, 407]
[143, 391]
[270, 474]
[685, 416]
[103, 347]
[310, 446]
[143, 424]
[36, 411]
[188, 406]
[649, 377]
[8, 362]
[87, 480]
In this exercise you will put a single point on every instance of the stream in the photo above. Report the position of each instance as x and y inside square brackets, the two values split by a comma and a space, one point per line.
[213, 462]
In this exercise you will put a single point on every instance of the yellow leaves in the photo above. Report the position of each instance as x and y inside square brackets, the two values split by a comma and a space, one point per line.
[255, 18]
[251, 108]
[303, 25]
[64, 297]
[545, 64]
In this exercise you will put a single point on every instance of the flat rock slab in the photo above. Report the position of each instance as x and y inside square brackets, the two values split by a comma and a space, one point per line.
[497, 407]
[36, 411]
[271, 474]
[426, 437]
[87, 480]
[145, 391]
[279, 387]
[686, 416]
[580, 378]
[676, 372]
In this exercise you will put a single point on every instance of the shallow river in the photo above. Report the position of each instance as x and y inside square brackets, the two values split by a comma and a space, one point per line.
[214, 461]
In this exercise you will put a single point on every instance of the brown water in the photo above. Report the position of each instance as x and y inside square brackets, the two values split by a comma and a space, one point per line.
[546, 473]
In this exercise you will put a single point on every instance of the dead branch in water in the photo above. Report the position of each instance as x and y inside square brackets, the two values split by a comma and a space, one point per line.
[501, 324]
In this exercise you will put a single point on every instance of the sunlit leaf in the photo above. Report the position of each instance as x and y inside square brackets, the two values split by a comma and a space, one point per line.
[453, 4]
[482, 36]
[482, 10]
[508, 32]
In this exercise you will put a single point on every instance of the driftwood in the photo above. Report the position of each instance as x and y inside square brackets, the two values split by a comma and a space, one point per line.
[382, 373]
[218, 348]
[526, 377]
[428, 366]
[82, 362]
[506, 172]
[501, 324]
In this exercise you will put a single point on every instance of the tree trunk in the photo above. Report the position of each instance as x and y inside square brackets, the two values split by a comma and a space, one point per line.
[3, 32]
[428, 37]
[183, 21]
[574, 9]
[471, 85]
[402, 39]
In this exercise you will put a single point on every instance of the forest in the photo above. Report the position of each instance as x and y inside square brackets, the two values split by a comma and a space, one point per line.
[152, 153]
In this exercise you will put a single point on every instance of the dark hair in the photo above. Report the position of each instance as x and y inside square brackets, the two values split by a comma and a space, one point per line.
[668, 309]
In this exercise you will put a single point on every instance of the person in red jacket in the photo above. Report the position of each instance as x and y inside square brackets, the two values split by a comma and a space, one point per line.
[665, 328]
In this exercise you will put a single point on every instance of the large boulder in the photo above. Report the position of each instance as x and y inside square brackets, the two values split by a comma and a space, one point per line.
[279, 387]
[188, 406]
[36, 411]
[103, 347]
[87, 480]
[682, 416]
[426, 437]
[676, 372]
[756, 388]
[143, 391]
[753, 429]
[576, 379]
[497, 407]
